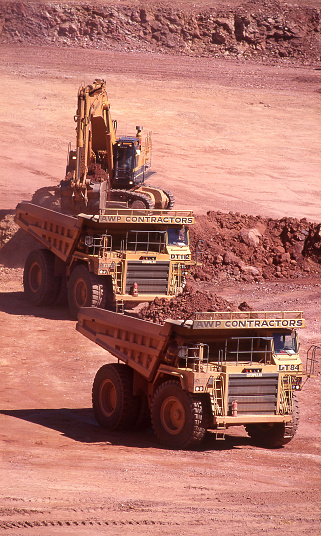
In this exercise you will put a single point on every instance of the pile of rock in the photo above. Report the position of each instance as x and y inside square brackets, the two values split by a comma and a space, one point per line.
[240, 247]
[184, 306]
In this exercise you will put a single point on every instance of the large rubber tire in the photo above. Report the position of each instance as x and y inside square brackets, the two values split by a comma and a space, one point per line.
[114, 405]
[41, 286]
[177, 417]
[275, 435]
[85, 289]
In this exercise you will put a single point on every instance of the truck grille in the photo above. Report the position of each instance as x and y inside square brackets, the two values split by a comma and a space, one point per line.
[150, 278]
[254, 395]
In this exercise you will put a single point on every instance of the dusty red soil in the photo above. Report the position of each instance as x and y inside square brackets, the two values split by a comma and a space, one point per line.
[228, 136]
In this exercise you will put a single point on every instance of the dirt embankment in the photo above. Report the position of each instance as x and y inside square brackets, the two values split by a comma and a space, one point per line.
[253, 248]
[241, 248]
[263, 30]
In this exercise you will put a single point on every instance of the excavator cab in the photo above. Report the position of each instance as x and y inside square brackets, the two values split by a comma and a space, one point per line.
[129, 169]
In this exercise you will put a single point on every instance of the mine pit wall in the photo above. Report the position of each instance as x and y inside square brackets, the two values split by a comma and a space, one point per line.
[261, 30]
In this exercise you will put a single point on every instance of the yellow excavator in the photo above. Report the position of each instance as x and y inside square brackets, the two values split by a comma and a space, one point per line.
[105, 169]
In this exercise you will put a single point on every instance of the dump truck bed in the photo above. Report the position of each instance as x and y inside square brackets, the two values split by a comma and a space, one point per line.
[57, 232]
[137, 343]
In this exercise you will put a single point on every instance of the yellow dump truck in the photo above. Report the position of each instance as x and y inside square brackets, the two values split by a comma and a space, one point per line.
[120, 256]
[219, 370]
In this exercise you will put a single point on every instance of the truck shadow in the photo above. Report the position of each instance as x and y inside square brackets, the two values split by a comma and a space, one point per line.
[14, 303]
[81, 426]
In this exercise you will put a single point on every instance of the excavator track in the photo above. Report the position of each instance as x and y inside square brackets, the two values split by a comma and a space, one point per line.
[134, 199]
[171, 199]
[169, 195]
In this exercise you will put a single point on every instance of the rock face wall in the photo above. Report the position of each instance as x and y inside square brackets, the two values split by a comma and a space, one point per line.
[260, 29]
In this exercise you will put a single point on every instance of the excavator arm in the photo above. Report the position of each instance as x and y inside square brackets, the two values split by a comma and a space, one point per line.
[106, 169]
[95, 131]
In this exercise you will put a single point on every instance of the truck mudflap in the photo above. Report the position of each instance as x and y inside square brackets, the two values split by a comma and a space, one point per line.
[133, 341]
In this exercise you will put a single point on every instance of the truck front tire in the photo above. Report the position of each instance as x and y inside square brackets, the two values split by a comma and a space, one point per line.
[85, 289]
[114, 405]
[41, 286]
[177, 416]
[275, 435]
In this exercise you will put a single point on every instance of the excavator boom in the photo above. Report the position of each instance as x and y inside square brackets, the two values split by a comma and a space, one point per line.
[105, 168]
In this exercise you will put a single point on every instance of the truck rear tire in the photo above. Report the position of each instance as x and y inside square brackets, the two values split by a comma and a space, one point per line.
[85, 289]
[177, 416]
[40, 284]
[114, 405]
[275, 435]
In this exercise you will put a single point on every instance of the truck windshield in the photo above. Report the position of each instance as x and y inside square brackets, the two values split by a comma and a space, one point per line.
[285, 343]
[177, 237]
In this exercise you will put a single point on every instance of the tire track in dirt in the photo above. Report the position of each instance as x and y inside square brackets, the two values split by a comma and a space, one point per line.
[7, 525]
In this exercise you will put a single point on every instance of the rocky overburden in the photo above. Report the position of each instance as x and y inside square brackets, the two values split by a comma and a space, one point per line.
[185, 306]
[237, 247]
[263, 30]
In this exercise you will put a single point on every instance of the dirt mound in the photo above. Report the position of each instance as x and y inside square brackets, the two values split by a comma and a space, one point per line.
[184, 306]
[256, 29]
[7, 226]
[247, 248]
[15, 244]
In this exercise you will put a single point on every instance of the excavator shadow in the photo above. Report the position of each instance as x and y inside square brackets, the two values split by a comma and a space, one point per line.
[14, 303]
[80, 425]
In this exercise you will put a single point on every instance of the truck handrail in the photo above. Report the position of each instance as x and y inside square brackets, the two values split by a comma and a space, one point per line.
[145, 212]
[311, 360]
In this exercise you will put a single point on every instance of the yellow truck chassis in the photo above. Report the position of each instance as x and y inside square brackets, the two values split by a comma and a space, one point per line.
[219, 370]
[121, 256]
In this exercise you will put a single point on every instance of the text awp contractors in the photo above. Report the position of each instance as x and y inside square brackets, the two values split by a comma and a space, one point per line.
[246, 323]
[117, 218]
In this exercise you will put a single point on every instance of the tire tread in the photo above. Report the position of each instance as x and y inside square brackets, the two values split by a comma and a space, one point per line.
[50, 283]
[194, 432]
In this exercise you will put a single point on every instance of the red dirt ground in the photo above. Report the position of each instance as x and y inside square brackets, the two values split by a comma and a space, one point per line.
[227, 136]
